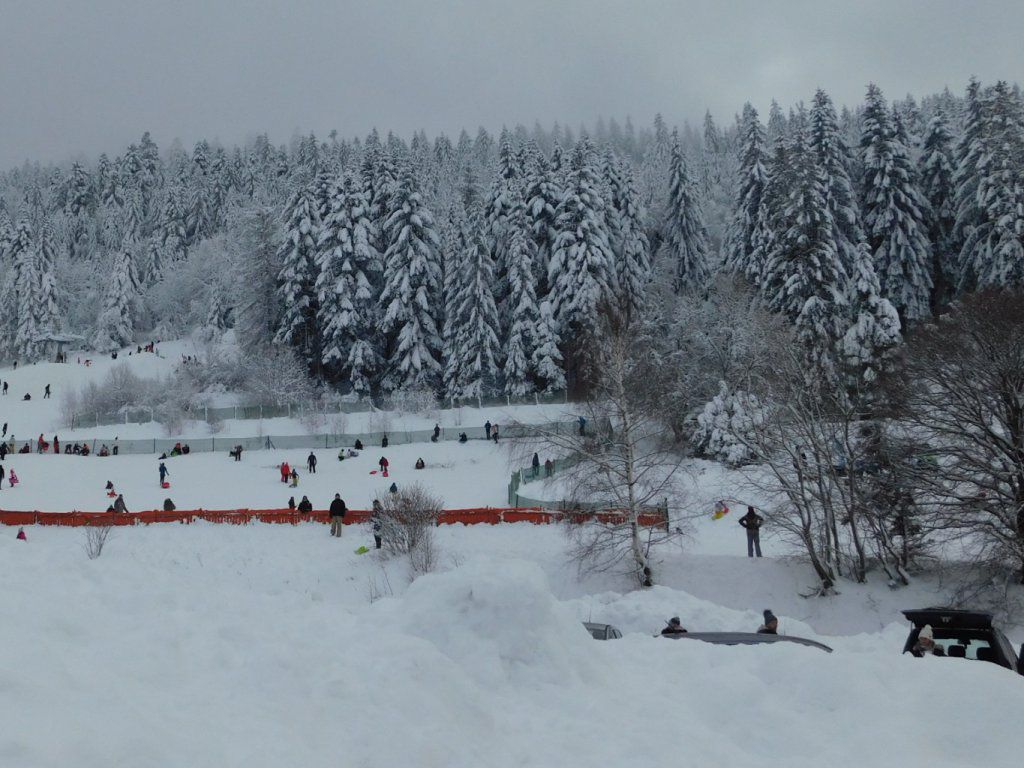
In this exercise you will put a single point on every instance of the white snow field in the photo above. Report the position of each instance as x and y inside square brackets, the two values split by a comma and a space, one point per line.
[259, 645]
[275, 645]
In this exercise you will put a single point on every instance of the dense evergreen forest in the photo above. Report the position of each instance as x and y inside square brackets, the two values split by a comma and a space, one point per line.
[494, 264]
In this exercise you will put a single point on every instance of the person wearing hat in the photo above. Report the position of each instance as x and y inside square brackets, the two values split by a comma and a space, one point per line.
[338, 510]
[675, 627]
[752, 522]
[925, 645]
[771, 624]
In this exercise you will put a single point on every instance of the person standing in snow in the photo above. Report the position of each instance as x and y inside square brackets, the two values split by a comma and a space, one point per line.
[119, 505]
[295, 479]
[169, 505]
[163, 473]
[393, 488]
[494, 434]
[583, 426]
[771, 624]
[56, 444]
[12, 479]
[437, 433]
[338, 510]
[5, 430]
[384, 441]
[311, 463]
[5, 387]
[925, 645]
[487, 430]
[378, 523]
[535, 464]
[291, 503]
[285, 471]
[305, 506]
[46, 392]
[383, 464]
[752, 522]
[674, 627]
[21, 535]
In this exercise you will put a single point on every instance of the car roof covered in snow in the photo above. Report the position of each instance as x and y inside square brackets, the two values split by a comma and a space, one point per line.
[746, 638]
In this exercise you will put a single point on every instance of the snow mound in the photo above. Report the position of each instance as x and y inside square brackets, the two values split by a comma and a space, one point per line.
[499, 621]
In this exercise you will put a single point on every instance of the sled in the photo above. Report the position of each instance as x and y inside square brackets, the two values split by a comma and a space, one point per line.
[385, 472]
[165, 484]
[362, 550]
[721, 510]
[373, 471]
[112, 494]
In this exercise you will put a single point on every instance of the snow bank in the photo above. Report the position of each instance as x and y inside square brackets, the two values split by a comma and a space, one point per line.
[215, 645]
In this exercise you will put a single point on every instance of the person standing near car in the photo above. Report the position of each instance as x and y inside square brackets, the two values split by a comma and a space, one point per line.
[771, 624]
[925, 645]
[752, 522]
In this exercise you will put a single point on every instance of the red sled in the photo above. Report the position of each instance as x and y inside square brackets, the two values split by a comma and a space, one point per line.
[112, 494]
[385, 471]
[165, 484]
[373, 471]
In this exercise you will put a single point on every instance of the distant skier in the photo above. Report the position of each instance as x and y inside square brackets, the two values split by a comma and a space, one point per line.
[311, 463]
[752, 523]
[487, 430]
[163, 473]
[305, 506]
[338, 510]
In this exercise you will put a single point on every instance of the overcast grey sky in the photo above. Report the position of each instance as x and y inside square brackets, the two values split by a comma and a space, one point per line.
[78, 77]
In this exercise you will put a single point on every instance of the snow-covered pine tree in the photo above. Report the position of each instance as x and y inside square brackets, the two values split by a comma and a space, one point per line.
[812, 290]
[685, 244]
[505, 193]
[894, 214]
[297, 278]
[115, 326]
[833, 157]
[547, 359]
[935, 167]
[349, 267]
[632, 267]
[543, 194]
[752, 176]
[412, 290]
[970, 148]
[582, 259]
[868, 346]
[455, 240]
[763, 267]
[173, 227]
[525, 315]
[994, 250]
[477, 335]
[46, 303]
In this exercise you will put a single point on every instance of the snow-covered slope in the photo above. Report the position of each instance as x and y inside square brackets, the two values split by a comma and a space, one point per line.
[218, 645]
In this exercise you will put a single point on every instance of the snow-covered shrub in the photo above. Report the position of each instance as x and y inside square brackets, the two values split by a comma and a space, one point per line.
[121, 388]
[95, 539]
[408, 519]
[724, 426]
[420, 400]
[275, 375]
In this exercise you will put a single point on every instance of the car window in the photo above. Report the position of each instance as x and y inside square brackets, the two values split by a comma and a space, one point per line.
[970, 648]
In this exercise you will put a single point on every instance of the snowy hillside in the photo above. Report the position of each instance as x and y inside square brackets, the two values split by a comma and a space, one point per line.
[219, 645]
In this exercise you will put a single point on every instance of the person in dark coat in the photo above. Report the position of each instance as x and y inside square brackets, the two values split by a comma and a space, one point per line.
[3, 451]
[378, 523]
[752, 522]
[338, 510]
[535, 464]
[163, 473]
[311, 463]
[305, 505]
[549, 468]
[393, 488]
[437, 433]
[46, 392]
[487, 430]
[56, 444]
[420, 463]
[771, 624]
[463, 437]
[384, 442]
[291, 503]
[119, 505]
[359, 445]
[583, 426]
[674, 627]
[169, 505]
[383, 464]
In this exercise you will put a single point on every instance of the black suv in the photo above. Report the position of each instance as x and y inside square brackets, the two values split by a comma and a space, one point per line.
[965, 635]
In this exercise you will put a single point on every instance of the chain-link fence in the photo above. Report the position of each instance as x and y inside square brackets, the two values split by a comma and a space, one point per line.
[286, 442]
[133, 415]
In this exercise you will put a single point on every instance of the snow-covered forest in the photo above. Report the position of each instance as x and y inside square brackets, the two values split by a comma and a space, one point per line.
[486, 264]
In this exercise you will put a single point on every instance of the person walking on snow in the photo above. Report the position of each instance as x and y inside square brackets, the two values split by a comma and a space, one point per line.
[752, 523]
[338, 510]
[46, 392]
[311, 463]
[383, 463]
[295, 479]
[5, 430]
[487, 430]
[163, 473]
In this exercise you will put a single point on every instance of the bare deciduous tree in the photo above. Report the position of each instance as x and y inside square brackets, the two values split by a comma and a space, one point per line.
[408, 519]
[95, 539]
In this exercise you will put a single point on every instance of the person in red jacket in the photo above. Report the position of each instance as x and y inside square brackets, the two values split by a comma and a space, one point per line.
[285, 471]
[383, 466]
